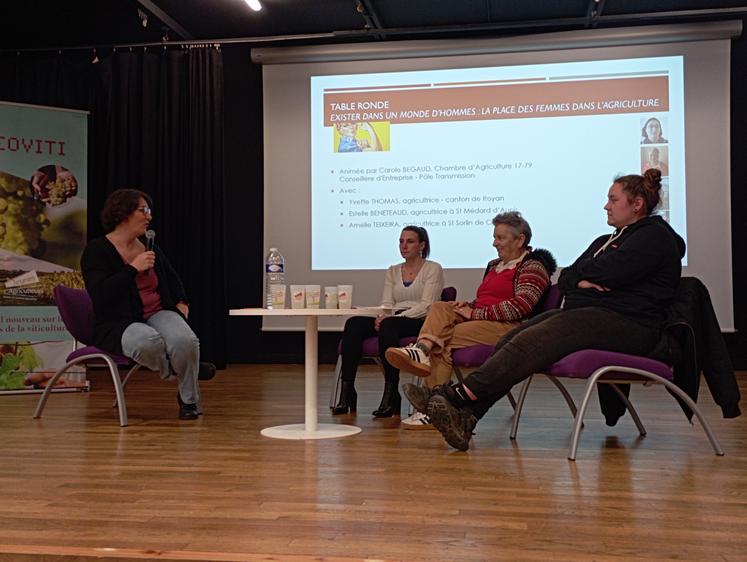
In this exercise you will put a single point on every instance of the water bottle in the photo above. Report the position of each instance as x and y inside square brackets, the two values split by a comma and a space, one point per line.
[274, 273]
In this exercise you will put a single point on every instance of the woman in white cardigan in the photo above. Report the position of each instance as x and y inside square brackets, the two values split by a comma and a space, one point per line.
[409, 288]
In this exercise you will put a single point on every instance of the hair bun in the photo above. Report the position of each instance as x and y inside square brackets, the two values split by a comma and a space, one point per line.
[652, 179]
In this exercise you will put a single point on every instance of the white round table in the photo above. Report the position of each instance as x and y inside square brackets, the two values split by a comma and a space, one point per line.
[310, 429]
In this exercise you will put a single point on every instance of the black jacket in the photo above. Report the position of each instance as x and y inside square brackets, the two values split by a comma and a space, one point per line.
[116, 301]
[641, 266]
[692, 343]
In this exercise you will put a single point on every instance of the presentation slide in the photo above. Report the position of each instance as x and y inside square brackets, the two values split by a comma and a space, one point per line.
[449, 149]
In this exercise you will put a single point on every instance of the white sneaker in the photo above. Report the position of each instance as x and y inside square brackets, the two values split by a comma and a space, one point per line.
[410, 359]
[417, 421]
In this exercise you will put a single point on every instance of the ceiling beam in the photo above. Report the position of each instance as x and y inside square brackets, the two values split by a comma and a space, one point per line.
[366, 9]
[534, 26]
[166, 19]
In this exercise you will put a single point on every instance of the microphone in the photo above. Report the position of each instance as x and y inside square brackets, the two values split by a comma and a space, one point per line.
[150, 236]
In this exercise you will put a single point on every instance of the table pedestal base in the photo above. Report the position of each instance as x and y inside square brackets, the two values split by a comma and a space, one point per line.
[298, 431]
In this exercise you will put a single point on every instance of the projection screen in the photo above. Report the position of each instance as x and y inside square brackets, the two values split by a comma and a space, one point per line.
[360, 141]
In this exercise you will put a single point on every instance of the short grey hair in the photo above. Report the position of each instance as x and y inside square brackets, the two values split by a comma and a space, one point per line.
[516, 223]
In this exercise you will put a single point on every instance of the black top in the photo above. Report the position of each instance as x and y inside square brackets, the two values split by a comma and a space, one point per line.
[116, 301]
[641, 267]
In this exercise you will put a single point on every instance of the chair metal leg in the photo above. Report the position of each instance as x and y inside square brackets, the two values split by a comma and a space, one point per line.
[419, 381]
[118, 390]
[519, 407]
[48, 389]
[578, 422]
[566, 395]
[651, 376]
[126, 380]
[694, 407]
[336, 384]
[522, 398]
[631, 409]
[129, 374]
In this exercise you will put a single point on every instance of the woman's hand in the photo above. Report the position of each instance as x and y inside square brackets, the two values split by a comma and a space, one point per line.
[378, 320]
[144, 261]
[584, 284]
[183, 307]
[465, 311]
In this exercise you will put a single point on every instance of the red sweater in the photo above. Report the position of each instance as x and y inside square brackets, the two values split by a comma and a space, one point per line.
[530, 279]
[147, 286]
[495, 288]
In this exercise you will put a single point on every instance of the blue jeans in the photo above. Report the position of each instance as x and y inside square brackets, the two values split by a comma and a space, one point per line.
[165, 343]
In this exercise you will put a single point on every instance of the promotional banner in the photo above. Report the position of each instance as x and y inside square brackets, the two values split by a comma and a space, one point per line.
[43, 194]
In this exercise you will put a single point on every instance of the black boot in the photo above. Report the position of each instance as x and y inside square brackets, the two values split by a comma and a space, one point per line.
[348, 399]
[186, 411]
[391, 401]
[206, 372]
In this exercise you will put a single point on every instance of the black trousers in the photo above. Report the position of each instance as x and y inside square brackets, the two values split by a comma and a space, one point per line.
[538, 343]
[391, 330]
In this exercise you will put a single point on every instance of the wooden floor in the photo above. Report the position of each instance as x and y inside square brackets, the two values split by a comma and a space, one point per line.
[74, 486]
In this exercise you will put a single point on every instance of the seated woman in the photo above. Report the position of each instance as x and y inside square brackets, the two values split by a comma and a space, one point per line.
[511, 287]
[139, 302]
[410, 287]
[616, 295]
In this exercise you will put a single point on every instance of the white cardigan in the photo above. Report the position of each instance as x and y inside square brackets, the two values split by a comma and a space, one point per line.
[418, 297]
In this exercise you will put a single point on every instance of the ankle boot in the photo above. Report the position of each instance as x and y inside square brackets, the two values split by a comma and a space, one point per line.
[186, 411]
[348, 399]
[391, 402]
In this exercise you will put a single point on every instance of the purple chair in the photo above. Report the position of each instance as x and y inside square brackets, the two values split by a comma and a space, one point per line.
[371, 350]
[608, 367]
[475, 355]
[76, 310]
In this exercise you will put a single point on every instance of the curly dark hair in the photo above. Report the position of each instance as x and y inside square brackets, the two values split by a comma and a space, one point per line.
[121, 204]
[647, 187]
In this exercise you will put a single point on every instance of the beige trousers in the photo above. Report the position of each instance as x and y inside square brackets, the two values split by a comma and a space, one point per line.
[448, 331]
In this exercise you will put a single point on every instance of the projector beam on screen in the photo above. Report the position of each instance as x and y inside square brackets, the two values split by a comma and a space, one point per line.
[532, 144]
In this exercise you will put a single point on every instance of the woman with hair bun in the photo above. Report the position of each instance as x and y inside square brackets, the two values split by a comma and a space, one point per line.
[409, 288]
[616, 296]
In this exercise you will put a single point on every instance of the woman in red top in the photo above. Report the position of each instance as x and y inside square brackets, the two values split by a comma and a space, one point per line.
[511, 287]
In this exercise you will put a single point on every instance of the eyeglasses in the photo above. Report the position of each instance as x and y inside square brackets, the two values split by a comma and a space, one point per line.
[145, 210]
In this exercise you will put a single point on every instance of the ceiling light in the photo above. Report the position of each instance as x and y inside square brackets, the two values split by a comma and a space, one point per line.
[143, 18]
[254, 5]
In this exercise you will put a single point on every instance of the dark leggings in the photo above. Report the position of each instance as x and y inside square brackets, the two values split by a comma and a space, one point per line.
[538, 343]
[391, 330]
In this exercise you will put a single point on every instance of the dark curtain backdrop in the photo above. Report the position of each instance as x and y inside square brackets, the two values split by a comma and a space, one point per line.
[148, 136]
[157, 121]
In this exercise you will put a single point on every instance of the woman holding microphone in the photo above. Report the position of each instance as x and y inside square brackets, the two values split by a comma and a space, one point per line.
[139, 302]
[409, 288]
